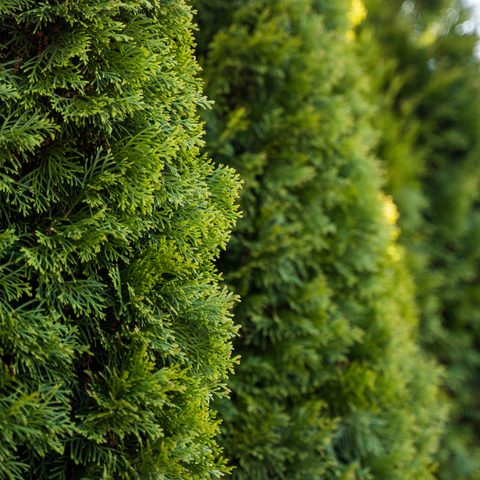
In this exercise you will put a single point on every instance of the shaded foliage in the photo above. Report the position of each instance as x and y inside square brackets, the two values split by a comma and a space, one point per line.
[331, 383]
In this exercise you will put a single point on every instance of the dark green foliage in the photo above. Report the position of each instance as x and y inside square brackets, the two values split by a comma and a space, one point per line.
[114, 333]
[426, 83]
[331, 384]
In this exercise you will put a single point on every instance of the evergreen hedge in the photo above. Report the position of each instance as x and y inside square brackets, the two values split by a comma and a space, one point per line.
[331, 383]
[424, 77]
[114, 332]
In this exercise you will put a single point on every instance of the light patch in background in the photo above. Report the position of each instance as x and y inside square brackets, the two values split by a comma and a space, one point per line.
[476, 10]
[475, 19]
[356, 15]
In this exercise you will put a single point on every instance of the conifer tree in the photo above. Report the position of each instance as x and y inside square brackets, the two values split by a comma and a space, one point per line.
[331, 383]
[114, 333]
[424, 77]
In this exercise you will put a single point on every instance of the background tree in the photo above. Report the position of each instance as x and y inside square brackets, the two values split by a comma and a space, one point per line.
[114, 333]
[425, 80]
[331, 384]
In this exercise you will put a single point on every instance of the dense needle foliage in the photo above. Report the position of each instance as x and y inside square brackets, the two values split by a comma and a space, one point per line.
[114, 333]
[331, 383]
[426, 82]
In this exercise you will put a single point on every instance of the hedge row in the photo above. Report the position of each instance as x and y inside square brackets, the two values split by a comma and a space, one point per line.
[331, 383]
[424, 78]
[116, 334]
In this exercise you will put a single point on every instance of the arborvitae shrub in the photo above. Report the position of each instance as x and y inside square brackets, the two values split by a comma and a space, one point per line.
[426, 83]
[331, 383]
[114, 333]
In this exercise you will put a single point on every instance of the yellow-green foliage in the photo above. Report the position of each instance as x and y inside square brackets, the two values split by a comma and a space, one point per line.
[425, 81]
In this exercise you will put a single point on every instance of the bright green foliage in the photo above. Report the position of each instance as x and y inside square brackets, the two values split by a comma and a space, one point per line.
[114, 333]
[331, 384]
[425, 80]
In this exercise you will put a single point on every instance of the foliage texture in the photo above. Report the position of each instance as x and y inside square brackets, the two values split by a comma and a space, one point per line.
[114, 333]
[331, 384]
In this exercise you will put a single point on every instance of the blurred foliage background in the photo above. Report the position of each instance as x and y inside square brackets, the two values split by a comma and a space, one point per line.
[424, 78]
[323, 107]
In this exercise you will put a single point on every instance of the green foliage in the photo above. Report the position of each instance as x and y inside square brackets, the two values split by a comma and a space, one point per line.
[331, 384]
[114, 333]
[427, 86]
